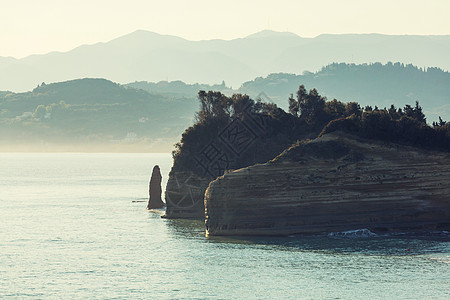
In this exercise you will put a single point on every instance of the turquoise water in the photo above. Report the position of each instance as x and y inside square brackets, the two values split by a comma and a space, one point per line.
[69, 229]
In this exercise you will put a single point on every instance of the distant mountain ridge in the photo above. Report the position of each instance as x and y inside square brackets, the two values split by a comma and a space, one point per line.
[148, 56]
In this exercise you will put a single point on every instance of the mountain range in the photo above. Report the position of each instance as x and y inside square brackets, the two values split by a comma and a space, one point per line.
[148, 56]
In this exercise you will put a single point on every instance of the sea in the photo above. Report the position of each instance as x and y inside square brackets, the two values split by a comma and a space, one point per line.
[75, 226]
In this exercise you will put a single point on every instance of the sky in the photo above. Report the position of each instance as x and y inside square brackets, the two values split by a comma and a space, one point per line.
[42, 26]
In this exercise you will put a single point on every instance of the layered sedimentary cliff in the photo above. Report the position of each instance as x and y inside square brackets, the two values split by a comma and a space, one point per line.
[334, 183]
[184, 195]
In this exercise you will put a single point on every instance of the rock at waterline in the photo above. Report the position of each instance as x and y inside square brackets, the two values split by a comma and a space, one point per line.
[337, 182]
[154, 191]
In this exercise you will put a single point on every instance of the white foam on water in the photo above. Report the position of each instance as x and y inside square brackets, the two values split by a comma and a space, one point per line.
[357, 233]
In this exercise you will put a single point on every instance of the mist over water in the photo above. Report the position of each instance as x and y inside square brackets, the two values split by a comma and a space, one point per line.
[69, 229]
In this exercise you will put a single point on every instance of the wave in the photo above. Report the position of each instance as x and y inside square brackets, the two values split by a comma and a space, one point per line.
[357, 233]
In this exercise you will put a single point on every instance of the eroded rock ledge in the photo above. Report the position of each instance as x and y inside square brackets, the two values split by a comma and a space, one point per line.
[334, 183]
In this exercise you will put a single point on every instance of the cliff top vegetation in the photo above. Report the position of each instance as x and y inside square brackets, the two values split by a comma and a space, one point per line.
[237, 131]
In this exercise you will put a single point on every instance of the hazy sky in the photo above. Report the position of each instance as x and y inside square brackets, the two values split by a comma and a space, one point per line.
[41, 26]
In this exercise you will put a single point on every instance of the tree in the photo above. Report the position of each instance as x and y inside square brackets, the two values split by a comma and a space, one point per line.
[419, 115]
[395, 113]
[415, 112]
[352, 108]
[312, 105]
[293, 106]
[301, 96]
[239, 104]
[213, 105]
[441, 123]
[335, 109]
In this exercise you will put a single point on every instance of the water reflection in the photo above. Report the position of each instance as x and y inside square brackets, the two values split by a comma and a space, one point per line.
[374, 245]
[368, 244]
[186, 228]
[371, 245]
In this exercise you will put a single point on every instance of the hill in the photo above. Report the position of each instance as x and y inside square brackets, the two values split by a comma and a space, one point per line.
[368, 84]
[144, 55]
[91, 114]
[178, 88]
[98, 114]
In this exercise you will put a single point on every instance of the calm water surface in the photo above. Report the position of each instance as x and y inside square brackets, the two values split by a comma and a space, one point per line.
[69, 229]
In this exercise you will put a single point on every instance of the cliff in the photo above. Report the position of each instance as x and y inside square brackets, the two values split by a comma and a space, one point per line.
[254, 133]
[184, 195]
[336, 182]
[236, 132]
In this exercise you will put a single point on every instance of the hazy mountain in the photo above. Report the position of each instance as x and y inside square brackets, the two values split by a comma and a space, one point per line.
[97, 114]
[179, 88]
[367, 84]
[147, 56]
[92, 114]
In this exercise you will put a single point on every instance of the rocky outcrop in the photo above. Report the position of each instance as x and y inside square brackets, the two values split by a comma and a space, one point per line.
[185, 195]
[334, 183]
[154, 190]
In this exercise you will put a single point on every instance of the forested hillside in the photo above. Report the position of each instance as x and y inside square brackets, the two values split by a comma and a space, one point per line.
[368, 84]
[147, 116]
[92, 113]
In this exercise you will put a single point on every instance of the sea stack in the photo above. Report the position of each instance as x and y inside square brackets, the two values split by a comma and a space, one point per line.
[154, 191]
